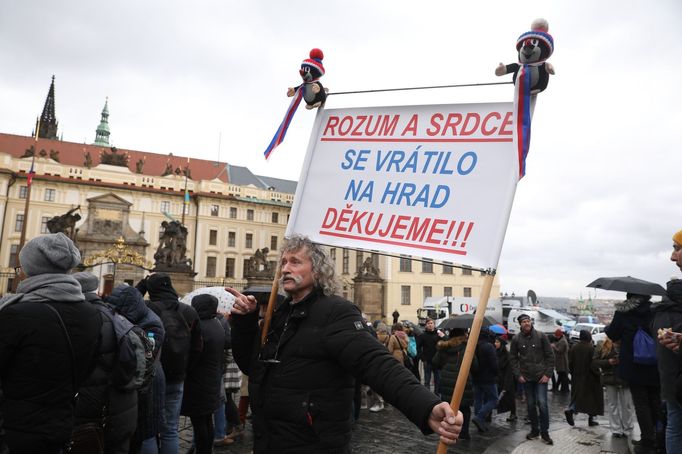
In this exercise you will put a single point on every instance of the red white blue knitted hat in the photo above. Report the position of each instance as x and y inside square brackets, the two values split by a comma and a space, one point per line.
[539, 29]
[315, 60]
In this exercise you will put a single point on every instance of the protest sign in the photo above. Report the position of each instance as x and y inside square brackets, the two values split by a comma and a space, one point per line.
[434, 181]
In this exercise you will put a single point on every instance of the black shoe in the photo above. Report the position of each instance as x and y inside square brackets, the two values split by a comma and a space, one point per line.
[569, 417]
[532, 436]
[511, 418]
[591, 422]
[546, 440]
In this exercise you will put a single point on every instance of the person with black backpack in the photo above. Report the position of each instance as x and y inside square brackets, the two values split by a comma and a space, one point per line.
[129, 302]
[105, 410]
[632, 316]
[182, 346]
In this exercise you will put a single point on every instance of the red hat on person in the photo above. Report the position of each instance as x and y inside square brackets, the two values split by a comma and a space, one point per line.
[558, 333]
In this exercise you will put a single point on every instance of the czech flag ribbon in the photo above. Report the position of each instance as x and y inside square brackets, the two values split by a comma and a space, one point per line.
[282, 130]
[523, 111]
[31, 172]
[186, 197]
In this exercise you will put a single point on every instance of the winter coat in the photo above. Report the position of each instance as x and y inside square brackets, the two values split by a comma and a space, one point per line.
[667, 314]
[302, 402]
[204, 384]
[427, 345]
[586, 390]
[98, 401]
[448, 359]
[129, 302]
[531, 356]
[561, 355]
[36, 366]
[506, 383]
[607, 370]
[629, 315]
[486, 372]
[397, 346]
[163, 296]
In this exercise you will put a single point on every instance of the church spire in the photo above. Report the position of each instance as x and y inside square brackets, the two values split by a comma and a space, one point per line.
[48, 120]
[102, 133]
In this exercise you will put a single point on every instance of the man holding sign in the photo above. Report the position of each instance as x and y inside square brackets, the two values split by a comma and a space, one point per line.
[301, 381]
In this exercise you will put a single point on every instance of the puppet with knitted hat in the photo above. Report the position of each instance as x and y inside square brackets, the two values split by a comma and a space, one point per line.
[311, 70]
[534, 48]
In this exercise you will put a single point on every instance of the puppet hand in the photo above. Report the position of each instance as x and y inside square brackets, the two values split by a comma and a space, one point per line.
[550, 68]
[501, 70]
[291, 91]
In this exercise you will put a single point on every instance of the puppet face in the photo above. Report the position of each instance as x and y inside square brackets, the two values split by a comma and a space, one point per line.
[309, 73]
[530, 51]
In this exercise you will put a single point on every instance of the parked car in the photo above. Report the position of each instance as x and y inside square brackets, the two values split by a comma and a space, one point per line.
[596, 329]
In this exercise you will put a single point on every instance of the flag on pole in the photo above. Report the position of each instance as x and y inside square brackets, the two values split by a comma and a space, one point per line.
[523, 110]
[282, 130]
[31, 171]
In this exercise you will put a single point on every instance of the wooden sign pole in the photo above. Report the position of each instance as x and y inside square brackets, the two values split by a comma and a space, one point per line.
[470, 349]
[271, 306]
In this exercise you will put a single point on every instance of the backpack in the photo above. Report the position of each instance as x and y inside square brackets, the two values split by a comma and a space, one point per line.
[411, 346]
[643, 348]
[134, 362]
[176, 342]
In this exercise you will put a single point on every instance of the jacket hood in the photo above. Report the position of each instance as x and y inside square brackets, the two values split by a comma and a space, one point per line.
[633, 305]
[128, 302]
[206, 306]
[674, 290]
[160, 288]
[452, 342]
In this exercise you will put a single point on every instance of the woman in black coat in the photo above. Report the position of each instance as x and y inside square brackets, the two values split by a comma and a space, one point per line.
[448, 359]
[506, 383]
[204, 381]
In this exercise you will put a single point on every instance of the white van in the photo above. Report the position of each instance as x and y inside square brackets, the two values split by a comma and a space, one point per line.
[544, 320]
[595, 329]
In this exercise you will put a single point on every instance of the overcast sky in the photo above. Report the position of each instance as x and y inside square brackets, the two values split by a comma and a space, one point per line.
[208, 79]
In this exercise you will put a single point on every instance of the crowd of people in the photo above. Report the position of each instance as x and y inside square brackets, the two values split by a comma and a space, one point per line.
[82, 374]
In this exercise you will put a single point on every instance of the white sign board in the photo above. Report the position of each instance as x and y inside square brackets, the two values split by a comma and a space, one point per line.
[433, 181]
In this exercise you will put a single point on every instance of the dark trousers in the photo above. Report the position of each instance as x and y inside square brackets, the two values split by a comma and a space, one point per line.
[203, 433]
[647, 400]
[562, 382]
[231, 411]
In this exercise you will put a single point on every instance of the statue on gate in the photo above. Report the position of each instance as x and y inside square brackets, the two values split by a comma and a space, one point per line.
[172, 246]
[66, 223]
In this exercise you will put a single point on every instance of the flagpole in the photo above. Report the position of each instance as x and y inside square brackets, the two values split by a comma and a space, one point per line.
[22, 238]
[185, 200]
[460, 385]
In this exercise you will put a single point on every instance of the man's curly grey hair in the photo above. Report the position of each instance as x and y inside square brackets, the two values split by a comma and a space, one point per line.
[323, 266]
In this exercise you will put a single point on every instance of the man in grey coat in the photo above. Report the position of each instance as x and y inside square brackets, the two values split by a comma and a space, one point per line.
[532, 362]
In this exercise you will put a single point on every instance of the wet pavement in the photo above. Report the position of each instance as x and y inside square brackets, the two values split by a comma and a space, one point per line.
[388, 431]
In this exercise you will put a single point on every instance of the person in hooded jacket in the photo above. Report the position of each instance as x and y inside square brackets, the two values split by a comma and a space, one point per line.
[506, 383]
[128, 301]
[448, 360]
[485, 379]
[163, 297]
[203, 382]
[99, 401]
[643, 380]
[44, 357]
[587, 395]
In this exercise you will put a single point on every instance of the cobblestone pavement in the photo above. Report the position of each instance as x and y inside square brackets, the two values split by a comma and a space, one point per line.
[389, 431]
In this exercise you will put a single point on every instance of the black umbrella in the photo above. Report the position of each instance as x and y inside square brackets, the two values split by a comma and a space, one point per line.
[464, 322]
[628, 284]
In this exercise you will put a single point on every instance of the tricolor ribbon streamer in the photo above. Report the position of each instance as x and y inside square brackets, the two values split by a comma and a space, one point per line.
[524, 103]
[282, 130]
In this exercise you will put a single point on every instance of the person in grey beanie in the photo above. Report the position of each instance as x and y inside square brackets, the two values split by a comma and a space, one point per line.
[48, 343]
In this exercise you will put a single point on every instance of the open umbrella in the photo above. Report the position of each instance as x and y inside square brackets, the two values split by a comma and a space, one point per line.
[498, 329]
[628, 284]
[464, 322]
[225, 299]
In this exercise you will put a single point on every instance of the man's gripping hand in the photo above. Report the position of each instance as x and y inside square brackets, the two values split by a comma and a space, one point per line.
[444, 422]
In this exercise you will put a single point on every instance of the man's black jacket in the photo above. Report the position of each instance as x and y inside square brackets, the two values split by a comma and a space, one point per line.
[302, 402]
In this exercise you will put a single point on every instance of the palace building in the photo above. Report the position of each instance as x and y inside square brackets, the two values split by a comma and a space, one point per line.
[122, 198]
